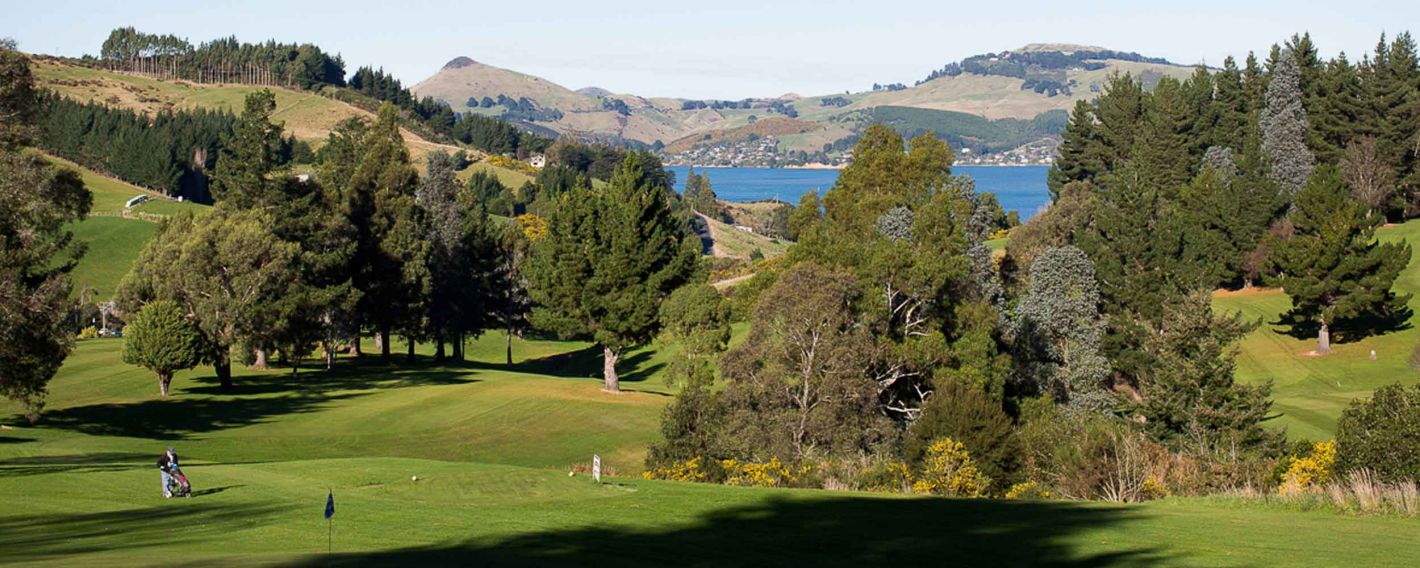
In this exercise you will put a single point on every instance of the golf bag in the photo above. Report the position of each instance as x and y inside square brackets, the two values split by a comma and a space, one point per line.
[177, 483]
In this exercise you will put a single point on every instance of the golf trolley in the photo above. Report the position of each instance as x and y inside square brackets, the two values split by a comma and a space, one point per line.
[177, 483]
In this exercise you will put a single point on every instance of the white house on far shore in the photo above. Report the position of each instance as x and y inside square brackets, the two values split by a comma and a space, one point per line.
[537, 161]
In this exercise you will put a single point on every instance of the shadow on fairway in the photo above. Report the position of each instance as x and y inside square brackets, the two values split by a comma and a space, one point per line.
[14, 440]
[214, 490]
[200, 406]
[835, 532]
[39, 537]
[79, 463]
[584, 363]
[1368, 325]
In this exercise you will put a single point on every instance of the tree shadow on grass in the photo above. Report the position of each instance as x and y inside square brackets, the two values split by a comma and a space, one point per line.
[846, 531]
[585, 363]
[29, 538]
[366, 373]
[14, 440]
[177, 418]
[1345, 331]
[78, 463]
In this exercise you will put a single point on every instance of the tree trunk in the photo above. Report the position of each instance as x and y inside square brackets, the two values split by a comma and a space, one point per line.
[439, 348]
[223, 368]
[383, 339]
[609, 358]
[261, 360]
[164, 380]
[355, 346]
[457, 342]
[329, 355]
[410, 356]
[509, 350]
[1323, 340]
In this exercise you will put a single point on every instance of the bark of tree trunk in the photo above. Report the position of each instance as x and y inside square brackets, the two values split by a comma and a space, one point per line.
[329, 355]
[355, 346]
[223, 368]
[1323, 340]
[609, 358]
[438, 348]
[383, 339]
[164, 380]
[261, 360]
[457, 342]
[509, 350]
[410, 356]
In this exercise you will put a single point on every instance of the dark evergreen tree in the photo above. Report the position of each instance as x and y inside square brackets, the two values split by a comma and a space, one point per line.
[1333, 270]
[610, 256]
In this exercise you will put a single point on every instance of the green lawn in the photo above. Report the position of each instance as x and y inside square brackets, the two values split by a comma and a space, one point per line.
[1310, 392]
[491, 447]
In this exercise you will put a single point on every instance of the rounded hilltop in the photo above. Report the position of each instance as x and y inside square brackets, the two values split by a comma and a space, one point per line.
[460, 62]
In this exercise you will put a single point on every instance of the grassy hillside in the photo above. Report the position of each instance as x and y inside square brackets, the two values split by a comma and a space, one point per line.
[307, 116]
[1310, 392]
[732, 242]
[968, 131]
[114, 236]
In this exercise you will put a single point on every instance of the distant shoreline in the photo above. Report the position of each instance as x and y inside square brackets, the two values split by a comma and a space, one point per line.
[828, 167]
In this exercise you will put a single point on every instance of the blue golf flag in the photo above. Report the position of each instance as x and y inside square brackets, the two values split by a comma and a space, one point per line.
[330, 505]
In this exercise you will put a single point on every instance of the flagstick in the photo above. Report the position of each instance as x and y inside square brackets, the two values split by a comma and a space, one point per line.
[329, 536]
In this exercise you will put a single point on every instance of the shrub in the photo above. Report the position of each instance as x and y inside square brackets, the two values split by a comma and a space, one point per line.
[1311, 471]
[89, 332]
[1028, 490]
[1382, 434]
[886, 477]
[947, 470]
[771, 474]
[1091, 456]
[965, 414]
[688, 470]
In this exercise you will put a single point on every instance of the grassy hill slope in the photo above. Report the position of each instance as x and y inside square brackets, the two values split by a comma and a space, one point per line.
[307, 116]
[113, 235]
[1310, 392]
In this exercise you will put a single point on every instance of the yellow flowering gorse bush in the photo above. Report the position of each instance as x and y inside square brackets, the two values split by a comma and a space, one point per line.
[948, 471]
[689, 470]
[771, 474]
[1310, 472]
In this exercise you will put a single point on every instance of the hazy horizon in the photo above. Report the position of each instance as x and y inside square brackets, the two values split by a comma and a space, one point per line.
[731, 50]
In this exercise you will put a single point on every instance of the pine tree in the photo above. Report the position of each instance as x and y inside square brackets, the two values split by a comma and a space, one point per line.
[1331, 267]
[1230, 108]
[1120, 112]
[1336, 111]
[245, 173]
[1284, 127]
[1165, 139]
[393, 276]
[610, 256]
[1190, 399]
[1079, 151]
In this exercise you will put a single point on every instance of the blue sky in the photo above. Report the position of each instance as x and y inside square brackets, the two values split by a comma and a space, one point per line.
[715, 48]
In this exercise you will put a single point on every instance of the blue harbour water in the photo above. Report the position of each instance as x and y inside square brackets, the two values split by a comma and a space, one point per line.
[1019, 188]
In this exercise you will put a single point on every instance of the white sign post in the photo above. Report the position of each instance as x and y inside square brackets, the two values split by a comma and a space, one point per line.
[597, 468]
